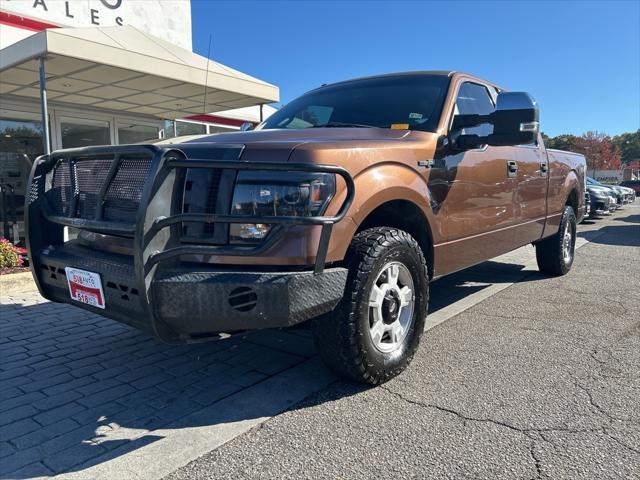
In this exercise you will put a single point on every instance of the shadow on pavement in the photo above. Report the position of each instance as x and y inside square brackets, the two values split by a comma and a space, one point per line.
[618, 235]
[629, 219]
[457, 286]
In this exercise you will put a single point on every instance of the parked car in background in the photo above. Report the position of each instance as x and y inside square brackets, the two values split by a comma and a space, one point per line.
[617, 195]
[587, 206]
[629, 193]
[624, 195]
[632, 184]
[601, 200]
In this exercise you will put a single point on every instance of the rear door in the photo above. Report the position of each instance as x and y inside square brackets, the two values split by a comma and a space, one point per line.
[530, 201]
[479, 205]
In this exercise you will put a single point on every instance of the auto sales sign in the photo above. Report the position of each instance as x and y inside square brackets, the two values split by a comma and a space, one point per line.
[166, 19]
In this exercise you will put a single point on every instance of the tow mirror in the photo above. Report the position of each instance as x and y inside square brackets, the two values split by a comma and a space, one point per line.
[516, 121]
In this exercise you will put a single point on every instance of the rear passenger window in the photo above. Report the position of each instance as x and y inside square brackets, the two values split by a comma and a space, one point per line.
[474, 98]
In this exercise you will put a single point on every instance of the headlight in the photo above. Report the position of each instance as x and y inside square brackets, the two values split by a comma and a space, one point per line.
[277, 194]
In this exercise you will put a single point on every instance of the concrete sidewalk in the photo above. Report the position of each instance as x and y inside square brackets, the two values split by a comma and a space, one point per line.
[541, 380]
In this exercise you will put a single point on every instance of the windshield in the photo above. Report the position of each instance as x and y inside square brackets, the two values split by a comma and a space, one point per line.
[402, 102]
[591, 181]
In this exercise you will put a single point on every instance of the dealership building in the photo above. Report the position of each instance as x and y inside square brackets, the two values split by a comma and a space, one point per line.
[106, 72]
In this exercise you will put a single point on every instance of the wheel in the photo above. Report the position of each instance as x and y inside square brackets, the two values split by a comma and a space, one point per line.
[373, 333]
[555, 254]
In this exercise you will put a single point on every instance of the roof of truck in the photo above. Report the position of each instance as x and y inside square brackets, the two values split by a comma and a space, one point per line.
[447, 73]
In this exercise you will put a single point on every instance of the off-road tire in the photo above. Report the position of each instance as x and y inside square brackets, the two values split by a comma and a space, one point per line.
[342, 336]
[550, 252]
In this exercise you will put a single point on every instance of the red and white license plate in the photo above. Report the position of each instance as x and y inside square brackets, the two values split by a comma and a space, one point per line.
[85, 287]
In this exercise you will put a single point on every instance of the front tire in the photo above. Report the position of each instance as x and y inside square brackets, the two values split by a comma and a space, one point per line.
[555, 254]
[373, 333]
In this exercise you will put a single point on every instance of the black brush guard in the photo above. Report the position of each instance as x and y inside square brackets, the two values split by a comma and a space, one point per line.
[153, 289]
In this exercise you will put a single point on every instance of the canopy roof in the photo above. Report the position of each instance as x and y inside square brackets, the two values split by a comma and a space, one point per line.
[122, 68]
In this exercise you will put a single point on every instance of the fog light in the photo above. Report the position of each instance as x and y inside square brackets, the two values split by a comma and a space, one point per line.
[248, 232]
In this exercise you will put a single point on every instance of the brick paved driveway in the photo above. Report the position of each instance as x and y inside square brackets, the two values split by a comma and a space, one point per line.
[77, 387]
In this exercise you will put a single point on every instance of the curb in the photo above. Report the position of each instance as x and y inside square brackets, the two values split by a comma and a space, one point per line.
[17, 282]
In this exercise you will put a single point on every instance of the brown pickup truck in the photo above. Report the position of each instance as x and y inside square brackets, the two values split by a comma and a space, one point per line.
[341, 208]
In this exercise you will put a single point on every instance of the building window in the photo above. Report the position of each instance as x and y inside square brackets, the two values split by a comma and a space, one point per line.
[188, 128]
[220, 129]
[20, 144]
[134, 133]
[84, 133]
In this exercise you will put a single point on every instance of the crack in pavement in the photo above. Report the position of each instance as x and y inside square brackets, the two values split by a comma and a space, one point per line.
[525, 431]
[612, 418]
[530, 433]
[536, 460]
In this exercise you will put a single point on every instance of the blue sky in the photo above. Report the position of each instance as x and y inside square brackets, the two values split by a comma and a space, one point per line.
[579, 59]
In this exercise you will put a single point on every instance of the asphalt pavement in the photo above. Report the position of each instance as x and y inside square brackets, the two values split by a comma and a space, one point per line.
[539, 380]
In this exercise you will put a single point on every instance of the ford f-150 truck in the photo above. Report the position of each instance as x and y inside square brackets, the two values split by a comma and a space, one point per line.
[341, 208]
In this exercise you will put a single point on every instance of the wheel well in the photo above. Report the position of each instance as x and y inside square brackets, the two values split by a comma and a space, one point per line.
[572, 201]
[406, 216]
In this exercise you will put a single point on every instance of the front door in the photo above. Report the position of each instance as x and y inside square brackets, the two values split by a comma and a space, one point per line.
[479, 208]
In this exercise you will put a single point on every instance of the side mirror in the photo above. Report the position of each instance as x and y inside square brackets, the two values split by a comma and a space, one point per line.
[516, 121]
[246, 126]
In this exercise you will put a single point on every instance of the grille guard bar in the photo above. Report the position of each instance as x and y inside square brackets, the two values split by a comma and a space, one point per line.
[157, 228]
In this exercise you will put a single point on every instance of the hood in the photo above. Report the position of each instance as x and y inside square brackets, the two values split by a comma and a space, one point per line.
[278, 145]
[295, 136]
[599, 191]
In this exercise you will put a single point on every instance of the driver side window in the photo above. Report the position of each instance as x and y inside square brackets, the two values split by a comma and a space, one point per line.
[474, 98]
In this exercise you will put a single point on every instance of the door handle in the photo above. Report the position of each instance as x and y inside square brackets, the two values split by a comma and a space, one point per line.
[544, 169]
[512, 168]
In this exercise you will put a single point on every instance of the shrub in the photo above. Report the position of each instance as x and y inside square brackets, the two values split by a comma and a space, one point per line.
[9, 255]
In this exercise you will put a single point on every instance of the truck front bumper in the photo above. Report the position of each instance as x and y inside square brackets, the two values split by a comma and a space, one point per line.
[194, 302]
[136, 193]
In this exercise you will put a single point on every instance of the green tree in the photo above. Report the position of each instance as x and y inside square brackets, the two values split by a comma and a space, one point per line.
[629, 145]
[561, 142]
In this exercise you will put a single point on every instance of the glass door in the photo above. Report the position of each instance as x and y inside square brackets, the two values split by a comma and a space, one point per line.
[136, 132]
[81, 132]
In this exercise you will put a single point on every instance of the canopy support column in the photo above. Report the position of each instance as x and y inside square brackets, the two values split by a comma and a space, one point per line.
[44, 109]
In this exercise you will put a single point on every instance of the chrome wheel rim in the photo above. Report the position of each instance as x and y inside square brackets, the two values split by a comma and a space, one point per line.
[391, 305]
[567, 244]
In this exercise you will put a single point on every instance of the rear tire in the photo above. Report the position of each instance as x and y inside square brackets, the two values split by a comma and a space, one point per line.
[555, 254]
[373, 333]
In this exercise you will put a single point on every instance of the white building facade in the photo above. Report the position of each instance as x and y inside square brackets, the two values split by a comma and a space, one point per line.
[115, 72]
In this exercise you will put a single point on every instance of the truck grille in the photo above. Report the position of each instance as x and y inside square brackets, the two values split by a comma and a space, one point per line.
[200, 196]
[85, 178]
[123, 196]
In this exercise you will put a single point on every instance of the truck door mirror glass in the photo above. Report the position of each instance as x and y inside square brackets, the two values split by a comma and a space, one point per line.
[516, 121]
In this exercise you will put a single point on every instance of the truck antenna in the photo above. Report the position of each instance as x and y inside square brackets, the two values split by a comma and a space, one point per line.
[206, 78]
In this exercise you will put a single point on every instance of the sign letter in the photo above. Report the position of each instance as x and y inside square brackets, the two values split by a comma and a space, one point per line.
[66, 9]
[94, 17]
[113, 4]
[41, 3]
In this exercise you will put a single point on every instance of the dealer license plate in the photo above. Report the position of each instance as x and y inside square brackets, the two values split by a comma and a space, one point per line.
[85, 287]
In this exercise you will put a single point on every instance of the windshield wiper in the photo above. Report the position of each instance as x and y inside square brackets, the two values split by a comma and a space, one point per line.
[342, 125]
